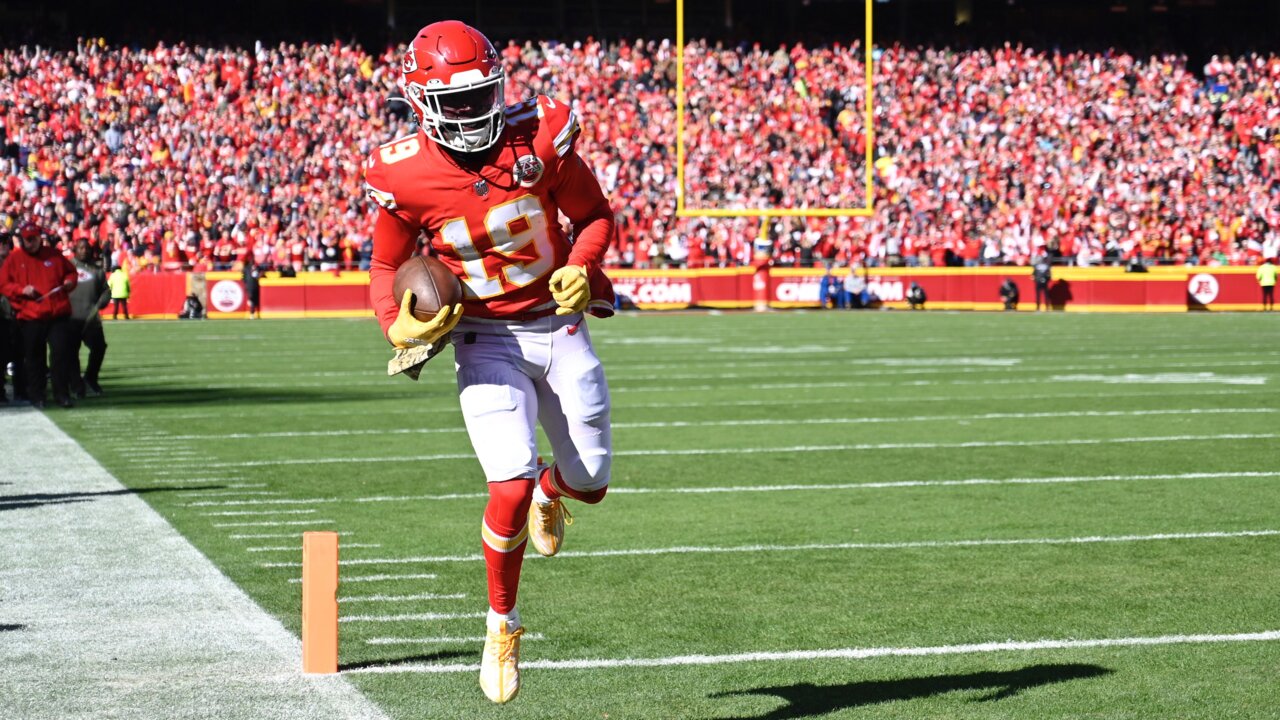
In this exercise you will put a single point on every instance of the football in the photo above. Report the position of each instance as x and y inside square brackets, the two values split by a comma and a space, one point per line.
[433, 286]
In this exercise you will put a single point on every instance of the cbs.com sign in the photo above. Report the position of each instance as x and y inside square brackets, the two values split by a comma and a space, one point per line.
[658, 291]
[809, 290]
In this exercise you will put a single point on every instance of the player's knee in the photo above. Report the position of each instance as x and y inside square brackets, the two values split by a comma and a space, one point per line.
[588, 476]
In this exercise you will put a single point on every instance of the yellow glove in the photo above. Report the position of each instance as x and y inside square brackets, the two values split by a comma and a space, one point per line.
[408, 331]
[570, 289]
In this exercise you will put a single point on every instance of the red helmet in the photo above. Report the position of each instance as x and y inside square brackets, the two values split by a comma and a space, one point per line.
[454, 81]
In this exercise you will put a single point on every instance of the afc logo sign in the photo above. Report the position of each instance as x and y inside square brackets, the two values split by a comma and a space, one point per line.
[1203, 288]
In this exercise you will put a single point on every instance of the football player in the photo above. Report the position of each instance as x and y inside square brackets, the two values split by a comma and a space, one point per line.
[485, 183]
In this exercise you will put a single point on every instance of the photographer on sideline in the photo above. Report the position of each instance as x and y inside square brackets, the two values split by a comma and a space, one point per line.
[1009, 294]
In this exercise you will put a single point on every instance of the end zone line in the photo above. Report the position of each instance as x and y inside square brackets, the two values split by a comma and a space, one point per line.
[769, 488]
[840, 654]
[907, 545]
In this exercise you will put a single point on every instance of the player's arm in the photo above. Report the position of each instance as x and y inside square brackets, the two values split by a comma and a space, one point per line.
[394, 241]
[578, 195]
[416, 342]
[70, 278]
[104, 290]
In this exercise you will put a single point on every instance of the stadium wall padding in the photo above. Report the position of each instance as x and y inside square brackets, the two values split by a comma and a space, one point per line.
[1103, 289]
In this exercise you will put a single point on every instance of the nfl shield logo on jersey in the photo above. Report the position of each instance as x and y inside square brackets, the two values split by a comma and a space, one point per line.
[528, 171]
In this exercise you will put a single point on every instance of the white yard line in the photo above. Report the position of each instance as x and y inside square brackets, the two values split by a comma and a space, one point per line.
[785, 449]
[277, 536]
[231, 513]
[401, 598]
[441, 640]
[298, 547]
[229, 493]
[840, 654]
[119, 615]
[811, 547]
[629, 490]
[452, 409]
[855, 420]
[410, 617]
[274, 523]
[377, 578]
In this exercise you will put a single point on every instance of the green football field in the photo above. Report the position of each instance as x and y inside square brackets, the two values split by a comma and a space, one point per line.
[890, 515]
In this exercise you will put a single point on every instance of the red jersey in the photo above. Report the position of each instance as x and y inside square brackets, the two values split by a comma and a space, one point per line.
[495, 224]
[45, 271]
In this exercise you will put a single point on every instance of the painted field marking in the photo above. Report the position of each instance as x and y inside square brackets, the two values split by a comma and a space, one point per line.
[298, 547]
[840, 654]
[256, 512]
[1027, 363]
[763, 422]
[230, 493]
[272, 523]
[780, 402]
[695, 490]
[277, 536]
[894, 372]
[378, 578]
[401, 598]
[1036, 381]
[809, 547]
[1162, 378]
[412, 617]
[440, 640]
[787, 449]
[188, 480]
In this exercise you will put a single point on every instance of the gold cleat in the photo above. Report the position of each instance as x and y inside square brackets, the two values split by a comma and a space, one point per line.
[546, 526]
[500, 666]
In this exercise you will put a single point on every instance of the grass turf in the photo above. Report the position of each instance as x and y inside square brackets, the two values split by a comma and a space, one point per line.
[296, 418]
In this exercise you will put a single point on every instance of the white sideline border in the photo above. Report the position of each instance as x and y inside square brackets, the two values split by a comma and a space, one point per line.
[122, 616]
[839, 653]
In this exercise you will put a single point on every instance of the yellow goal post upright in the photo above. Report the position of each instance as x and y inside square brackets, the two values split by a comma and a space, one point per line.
[868, 102]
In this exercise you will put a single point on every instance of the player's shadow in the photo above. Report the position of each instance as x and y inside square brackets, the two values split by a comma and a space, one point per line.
[34, 500]
[421, 658]
[804, 700]
[11, 628]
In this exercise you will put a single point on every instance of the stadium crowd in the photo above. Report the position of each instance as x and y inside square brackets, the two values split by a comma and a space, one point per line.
[185, 157]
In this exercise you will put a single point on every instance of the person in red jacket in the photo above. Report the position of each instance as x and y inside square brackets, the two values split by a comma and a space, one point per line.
[38, 280]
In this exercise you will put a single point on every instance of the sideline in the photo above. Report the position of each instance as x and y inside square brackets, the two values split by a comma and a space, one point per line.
[108, 612]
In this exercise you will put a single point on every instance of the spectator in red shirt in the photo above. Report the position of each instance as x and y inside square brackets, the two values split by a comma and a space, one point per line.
[38, 280]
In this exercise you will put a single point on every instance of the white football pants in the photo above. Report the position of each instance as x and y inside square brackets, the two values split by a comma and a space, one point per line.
[512, 375]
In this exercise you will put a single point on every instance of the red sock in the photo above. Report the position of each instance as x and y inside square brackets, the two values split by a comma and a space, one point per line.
[504, 531]
[553, 484]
